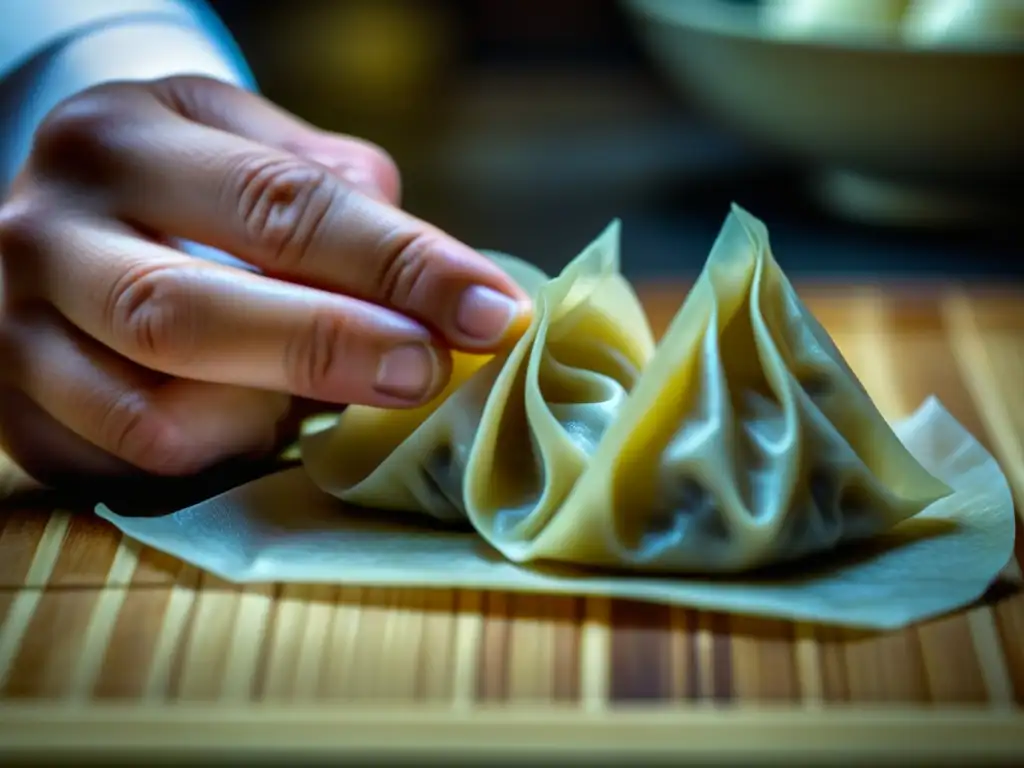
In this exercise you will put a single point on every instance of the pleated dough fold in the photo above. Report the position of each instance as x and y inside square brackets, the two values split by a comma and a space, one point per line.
[504, 444]
[744, 440]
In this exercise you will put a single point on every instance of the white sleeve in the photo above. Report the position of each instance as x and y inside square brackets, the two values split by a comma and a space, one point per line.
[132, 40]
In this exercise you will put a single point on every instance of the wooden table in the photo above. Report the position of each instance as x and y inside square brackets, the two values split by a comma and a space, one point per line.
[181, 660]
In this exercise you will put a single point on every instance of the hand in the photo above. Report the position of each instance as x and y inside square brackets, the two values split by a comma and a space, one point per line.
[123, 353]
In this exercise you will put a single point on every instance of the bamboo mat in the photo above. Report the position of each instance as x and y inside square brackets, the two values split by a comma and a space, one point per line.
[98, 634]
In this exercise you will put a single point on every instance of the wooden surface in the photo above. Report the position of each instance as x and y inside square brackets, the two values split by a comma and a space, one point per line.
[436, 662]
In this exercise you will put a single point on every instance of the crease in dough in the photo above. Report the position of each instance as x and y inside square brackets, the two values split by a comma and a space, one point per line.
[743, 440]
[748, 441]
[501, 447]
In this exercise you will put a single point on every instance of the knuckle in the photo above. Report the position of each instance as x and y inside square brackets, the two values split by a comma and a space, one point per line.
[282, 204]
[26, 249]
[350, 155]
[145, 437]
[384, 166]
[151, 311]
[24, 230]
[380, 157]
[314, 355]
[404, 267]
[83, 135]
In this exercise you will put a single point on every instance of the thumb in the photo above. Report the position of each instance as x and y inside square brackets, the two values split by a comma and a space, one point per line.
[217, 104]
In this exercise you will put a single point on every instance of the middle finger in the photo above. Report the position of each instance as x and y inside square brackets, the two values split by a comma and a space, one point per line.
[208, 322]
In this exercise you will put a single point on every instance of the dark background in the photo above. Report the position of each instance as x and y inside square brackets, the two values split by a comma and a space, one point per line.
[526, 125]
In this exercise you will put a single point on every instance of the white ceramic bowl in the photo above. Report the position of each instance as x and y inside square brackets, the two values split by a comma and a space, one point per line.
[899, 133]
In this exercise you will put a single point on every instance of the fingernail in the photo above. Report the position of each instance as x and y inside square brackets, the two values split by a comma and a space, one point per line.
[484, 314]
[407, 372]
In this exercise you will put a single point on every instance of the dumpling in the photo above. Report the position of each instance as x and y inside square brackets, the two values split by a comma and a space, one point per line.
[748, 440]
[831, 18]
[946, 22]
[522, 423]
[743, 440]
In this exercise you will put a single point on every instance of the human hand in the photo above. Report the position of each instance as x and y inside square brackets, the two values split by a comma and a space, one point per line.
[123, 353]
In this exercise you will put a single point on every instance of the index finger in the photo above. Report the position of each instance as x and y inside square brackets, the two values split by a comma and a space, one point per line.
[295, 220]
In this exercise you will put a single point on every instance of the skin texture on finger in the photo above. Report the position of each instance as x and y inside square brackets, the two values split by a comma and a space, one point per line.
[109, 415]
[216, 104]
[289, 217]
[292, 220]
[209, 322]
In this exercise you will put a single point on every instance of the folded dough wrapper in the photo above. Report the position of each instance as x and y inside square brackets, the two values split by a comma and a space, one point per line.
[742, 441]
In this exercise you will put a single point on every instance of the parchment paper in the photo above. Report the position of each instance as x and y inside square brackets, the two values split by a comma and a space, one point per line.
[282, 528]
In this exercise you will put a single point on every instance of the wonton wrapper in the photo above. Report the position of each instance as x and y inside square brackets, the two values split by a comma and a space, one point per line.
[549, 400]
[283, 528]
[744, 441]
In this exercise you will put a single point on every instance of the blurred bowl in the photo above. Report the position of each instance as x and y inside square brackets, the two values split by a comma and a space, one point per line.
[900, 134]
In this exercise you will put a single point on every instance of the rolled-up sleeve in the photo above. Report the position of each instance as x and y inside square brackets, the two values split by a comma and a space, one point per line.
[51, 49]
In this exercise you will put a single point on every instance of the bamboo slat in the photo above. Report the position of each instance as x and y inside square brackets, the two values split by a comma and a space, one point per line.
[98, 635]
